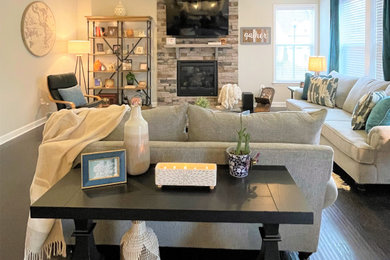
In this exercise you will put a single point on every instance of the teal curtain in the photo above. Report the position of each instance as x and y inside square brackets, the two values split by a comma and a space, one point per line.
[386, 39]
[334, 47]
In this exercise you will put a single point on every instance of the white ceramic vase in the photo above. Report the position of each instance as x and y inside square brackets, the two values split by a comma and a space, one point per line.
[136, 139]
[139, 242]
[120, 9]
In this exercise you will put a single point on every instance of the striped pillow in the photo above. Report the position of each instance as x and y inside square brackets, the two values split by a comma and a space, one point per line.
[363, 109]
[322, 91]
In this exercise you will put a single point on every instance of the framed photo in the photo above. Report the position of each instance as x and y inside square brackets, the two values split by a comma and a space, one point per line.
[255, 35]
[112, 31]
[116, 48]
[108, 99]
[99, 48]
[103, 168]
[98, 82]
[170, 41]
[139, 50]
[127, 64]
[143, 66]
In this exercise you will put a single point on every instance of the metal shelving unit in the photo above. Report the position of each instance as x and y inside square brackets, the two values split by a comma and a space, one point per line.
[118, 74]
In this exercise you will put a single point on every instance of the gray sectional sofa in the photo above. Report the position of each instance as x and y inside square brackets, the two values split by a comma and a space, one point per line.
[279, 139]
[365, 157]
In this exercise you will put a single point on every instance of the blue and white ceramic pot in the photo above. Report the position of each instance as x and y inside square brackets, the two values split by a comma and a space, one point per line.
[238, 164]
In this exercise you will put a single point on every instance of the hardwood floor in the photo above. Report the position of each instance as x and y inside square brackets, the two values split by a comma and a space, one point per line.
[357, 226]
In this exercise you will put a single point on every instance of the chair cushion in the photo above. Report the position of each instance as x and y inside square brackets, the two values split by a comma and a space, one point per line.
[352, 143]
[322, 91]
[73, 94]
[363, 109]
[380, 114]
[345, 85]
[279, 127]
[363, 86]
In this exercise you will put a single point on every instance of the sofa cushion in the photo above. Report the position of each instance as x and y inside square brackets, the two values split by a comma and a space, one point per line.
[279, 127]
[363, 109]
[345, 85]
[380, 114]
[322, 91]
[352, 143]
[363, 86]
[166, 123]
[306, 85]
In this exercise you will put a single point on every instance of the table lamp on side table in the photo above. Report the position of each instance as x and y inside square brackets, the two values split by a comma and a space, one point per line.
[317, 64]
[79, 48]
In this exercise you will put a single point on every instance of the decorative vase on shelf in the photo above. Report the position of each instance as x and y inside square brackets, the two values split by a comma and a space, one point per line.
[136, 139]
[139, 242]
[120, 9]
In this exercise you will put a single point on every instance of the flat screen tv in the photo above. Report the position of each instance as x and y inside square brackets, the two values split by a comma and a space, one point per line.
[197, 18]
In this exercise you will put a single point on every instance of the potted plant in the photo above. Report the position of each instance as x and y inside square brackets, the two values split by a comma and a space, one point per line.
[202, 102]
[239, 156]
[130, 78]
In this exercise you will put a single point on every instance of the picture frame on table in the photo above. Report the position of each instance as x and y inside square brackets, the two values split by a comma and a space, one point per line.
[116, 49]
[143, 66]
[112, 31]
[103, 168]
[98, 82]
[100, 48]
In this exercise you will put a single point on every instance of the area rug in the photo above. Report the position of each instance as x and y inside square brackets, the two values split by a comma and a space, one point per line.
[341, 185]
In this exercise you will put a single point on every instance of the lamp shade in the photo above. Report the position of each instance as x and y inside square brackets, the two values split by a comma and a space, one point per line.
[317, 63]
[78, 47]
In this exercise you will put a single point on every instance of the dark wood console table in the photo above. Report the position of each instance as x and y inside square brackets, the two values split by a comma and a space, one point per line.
[268, 195]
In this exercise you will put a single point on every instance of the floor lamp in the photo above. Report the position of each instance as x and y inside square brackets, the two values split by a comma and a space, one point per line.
[79, 48]
[317, 64]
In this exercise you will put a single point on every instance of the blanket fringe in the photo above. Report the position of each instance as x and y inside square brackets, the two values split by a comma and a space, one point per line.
[57, 248]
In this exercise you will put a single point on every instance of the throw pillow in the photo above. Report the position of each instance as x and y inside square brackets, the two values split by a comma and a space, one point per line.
[273, 127]
[363, 108]
[322, 91]
[73, 94]
[344, 86]
[363, 86]
[380, 114]
[308, 76]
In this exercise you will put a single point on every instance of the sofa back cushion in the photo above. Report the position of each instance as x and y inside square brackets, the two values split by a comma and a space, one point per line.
[363, 86]
[345, 85]
[272, 127]
[166, 123]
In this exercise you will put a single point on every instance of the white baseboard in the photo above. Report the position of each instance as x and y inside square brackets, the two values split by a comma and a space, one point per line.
[279, 104]
[154, 104]
[22, 130]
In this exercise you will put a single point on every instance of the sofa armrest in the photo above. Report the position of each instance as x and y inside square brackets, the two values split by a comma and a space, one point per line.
[379, 138]
[298, 93]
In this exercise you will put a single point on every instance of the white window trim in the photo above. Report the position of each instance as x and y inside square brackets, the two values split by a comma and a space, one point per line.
[316, 35]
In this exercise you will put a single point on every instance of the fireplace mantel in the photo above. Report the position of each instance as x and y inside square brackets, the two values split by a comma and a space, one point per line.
[196, 45]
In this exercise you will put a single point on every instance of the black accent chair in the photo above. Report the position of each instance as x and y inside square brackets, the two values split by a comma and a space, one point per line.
[55, 82]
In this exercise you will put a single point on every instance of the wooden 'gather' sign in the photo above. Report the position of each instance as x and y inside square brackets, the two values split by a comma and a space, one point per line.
[255, 35]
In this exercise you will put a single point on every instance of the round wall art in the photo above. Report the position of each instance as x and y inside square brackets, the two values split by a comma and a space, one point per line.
[38, 28]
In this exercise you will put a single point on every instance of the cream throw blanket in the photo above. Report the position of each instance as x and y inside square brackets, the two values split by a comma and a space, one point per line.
[66, 134]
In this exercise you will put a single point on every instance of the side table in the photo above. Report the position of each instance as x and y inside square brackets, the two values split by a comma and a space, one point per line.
[292, 89]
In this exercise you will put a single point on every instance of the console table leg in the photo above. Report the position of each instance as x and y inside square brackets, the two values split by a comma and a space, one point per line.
[270, 238]
[85, 248]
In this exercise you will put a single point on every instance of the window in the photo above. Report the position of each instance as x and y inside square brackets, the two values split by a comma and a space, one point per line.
[379, 39]
[295, 40]
[361, 36]
[352, 37]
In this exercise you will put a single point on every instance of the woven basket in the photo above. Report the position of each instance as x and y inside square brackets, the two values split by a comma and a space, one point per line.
[139, 243]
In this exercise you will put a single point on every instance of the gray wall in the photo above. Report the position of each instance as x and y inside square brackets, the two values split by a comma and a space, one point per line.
[18, 158]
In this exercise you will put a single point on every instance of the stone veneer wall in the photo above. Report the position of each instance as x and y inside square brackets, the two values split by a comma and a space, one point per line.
[166, 58]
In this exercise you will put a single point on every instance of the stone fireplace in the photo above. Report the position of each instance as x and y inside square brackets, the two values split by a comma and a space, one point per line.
[197, 78]
[173, 88]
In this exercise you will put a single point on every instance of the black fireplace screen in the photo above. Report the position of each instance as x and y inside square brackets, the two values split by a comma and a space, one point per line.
[197, 78]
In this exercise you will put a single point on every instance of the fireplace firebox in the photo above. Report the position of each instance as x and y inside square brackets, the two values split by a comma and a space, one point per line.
[197, 78]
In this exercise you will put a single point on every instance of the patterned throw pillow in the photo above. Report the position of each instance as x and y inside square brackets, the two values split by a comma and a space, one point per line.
[363, 109]
[322, 91]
